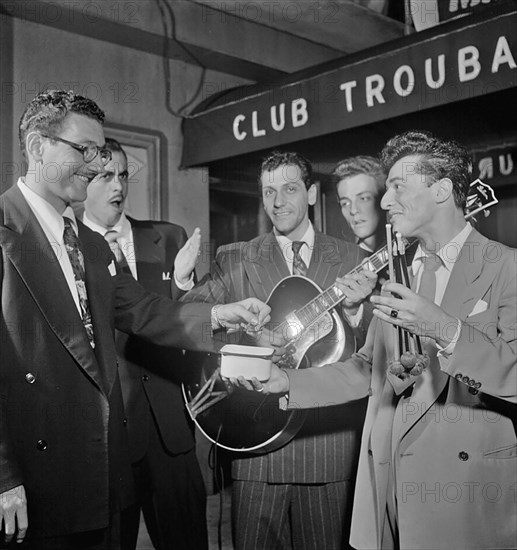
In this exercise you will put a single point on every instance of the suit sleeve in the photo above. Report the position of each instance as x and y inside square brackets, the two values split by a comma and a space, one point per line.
[160, 320]
[333, 384]
[486, 351]
[10, 473]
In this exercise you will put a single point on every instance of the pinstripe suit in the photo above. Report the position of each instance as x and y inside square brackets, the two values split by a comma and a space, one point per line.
[315, 471]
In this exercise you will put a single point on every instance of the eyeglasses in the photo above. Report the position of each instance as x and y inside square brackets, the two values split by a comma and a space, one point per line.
[89, 151]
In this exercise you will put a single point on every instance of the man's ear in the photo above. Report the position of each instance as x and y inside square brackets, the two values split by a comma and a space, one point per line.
[34, 146]
[312, 193]
[444, 189]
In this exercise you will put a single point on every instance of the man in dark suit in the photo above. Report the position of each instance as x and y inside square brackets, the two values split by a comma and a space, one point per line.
[168, 480]
[64, 468]
[299, 495]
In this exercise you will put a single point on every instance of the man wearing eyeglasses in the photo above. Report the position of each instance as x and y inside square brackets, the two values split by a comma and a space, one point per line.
[65, 473]
[168, 481]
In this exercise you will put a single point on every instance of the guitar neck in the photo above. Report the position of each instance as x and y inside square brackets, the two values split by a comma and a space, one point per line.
[333, 295]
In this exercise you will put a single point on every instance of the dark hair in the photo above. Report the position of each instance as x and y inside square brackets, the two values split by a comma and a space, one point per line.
[279, 158]
[362, 164]
[47, 111]
[438, 158]
[114, 146]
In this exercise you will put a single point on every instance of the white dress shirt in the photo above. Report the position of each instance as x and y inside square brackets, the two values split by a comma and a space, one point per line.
[53, 226]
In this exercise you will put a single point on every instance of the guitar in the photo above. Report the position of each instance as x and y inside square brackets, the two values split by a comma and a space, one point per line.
[242, 421]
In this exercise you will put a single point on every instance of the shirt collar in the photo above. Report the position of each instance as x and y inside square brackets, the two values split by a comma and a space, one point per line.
[45, 211]
[308, 238]
[449, 253]
[122, 226]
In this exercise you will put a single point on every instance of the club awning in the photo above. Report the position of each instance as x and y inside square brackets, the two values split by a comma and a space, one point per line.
[456, 61]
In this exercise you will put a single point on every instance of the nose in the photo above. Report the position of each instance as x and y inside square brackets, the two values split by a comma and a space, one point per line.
[116, 184]
[279, 199]
[354, 208]
[387, 199]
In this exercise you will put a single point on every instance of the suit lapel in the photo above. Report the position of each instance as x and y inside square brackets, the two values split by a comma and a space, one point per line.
[457, 301]
[33, 256]
[265, 265]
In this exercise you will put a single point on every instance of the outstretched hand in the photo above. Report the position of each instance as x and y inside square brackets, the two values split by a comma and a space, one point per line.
[414, 313]
[187, 257]
[249, 314]
[278, 382]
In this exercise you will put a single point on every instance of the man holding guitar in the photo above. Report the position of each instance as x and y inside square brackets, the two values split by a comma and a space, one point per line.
[297, 496]
[437, 467]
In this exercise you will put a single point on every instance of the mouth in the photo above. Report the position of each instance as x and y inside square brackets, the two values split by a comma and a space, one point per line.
[87, 178]
[282, 213]
[393, 215]
[357, 222]
[117, 201]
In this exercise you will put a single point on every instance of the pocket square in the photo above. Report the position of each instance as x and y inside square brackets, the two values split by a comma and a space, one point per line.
[112, 269]
[166, 276]
[480, 306]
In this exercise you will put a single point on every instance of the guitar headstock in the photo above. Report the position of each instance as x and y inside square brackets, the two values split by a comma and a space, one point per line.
[480, 198]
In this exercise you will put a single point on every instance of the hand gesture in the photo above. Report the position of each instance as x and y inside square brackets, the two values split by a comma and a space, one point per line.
[13, 512]
[278, 382]
[187, 257]
[356, 287]
[249, 314]
[414, 313]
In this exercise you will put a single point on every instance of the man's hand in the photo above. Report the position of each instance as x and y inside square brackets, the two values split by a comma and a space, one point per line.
[278, 382]
[249, 314]
[414, 313]
[13, 512]
[356, 287]
[187, 257]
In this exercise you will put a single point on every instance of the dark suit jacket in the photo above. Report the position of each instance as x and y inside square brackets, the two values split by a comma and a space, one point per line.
[327, 446]
[149, 384]
[61, 430]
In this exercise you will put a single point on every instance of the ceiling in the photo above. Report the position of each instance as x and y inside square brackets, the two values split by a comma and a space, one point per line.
[285, 36]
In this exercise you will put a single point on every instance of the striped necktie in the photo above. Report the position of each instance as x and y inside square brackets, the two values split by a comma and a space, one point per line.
[73, 248]
[299, 266]
[111, 237]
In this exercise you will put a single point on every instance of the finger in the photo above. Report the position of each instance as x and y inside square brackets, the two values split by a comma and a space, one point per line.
[9, 526]
[397, 288]
[243, 383]
[387, 301]
[257, 385]
[23, 523]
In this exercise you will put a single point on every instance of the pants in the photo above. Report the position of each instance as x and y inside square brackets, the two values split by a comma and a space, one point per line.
[171, 493]
[292, 516]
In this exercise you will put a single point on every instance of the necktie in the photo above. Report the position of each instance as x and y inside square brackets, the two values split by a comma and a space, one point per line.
[111, 237]
[73, 248]
[427, 288]
[299, 267]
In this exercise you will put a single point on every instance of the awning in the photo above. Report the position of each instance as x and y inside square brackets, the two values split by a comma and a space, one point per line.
[456, 61]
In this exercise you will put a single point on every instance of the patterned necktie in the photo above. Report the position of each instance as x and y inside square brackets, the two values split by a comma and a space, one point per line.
[111, 237]
[299, 267]
[73, 248]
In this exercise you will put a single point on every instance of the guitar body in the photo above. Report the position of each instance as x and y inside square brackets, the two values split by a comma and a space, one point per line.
[249, 422]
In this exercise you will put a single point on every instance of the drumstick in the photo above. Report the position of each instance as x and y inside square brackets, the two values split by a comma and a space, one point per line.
[396, 333]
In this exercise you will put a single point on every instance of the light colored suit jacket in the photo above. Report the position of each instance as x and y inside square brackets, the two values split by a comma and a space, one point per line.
[61, 415]
[254, 268]
[454, 444]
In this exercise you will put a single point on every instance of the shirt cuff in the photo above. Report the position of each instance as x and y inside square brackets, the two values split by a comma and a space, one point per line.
[448, 350]
[189, 285]
[354, 320]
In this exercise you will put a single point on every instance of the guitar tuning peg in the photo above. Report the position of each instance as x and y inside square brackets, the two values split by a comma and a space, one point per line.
[486, 213]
